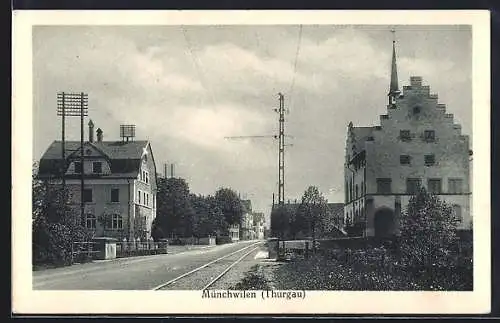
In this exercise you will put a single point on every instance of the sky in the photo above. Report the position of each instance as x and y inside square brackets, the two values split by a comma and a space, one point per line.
[186, 88]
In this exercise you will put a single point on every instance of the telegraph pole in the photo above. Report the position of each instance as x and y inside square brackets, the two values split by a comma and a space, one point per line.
[82, 184]
[63, 144]
[281, 150]
[73, 105]
[281, 147]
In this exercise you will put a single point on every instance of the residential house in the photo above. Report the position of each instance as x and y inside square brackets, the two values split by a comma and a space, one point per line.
[119, 183]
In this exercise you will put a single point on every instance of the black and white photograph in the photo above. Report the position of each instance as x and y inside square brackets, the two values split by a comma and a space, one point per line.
[292, 164]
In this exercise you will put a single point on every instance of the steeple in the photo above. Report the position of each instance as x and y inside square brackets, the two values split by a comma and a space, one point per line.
[393, 88]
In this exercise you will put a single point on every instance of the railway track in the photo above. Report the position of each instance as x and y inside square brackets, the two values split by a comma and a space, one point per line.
[207, 275]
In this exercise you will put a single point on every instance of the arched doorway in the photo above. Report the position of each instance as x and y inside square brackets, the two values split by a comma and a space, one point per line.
[384, 223]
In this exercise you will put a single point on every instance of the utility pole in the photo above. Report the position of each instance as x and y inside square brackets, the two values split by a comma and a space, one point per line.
[73, 105]
[281, 148]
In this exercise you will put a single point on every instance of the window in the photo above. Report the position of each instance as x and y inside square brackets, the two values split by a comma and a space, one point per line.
[147, 199]
[404, 135]
[144, 199]
[78, 167]
[455, 185]
[139, 197]
[115, 222]
[434, 185]
[90, 221]
[404, 160]
[147, 177]
[97, 167]
[413, 185]
[416, 110]
[115, 195]
[346, 189]
[429, 135]
[87, 195]
[457, 212]
[384, 185]
[429, 160]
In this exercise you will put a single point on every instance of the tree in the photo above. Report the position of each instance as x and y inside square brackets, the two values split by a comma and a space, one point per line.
[174, 211]
[298, 223]
[156, 231]
[280, 221]
[230, 204]
[208, 218]
[313, 209]
[428, 232]
[55, 224]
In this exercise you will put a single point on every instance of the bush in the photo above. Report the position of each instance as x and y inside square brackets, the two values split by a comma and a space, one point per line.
[52, 242]
[223, 240]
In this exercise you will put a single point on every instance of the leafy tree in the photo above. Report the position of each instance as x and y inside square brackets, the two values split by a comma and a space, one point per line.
[174, 213]
[208, 218]
[280, 221]
[298, 223]
[55, 224]
[428, 232]
[156, 231]
[313, 209]
[230, 204]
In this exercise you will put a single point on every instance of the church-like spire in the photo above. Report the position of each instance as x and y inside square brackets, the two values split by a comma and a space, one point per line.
[394, 87]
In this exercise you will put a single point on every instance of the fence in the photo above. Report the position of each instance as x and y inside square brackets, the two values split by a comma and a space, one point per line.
[83, 251]
[140, 248]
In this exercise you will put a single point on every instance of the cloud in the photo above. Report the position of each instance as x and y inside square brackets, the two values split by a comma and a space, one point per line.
[186, 99]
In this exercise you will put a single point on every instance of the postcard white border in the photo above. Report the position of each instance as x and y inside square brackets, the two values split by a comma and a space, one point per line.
[25, 300]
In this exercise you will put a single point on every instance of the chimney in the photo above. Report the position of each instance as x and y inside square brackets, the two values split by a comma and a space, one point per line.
[99, 135]
[91, 131]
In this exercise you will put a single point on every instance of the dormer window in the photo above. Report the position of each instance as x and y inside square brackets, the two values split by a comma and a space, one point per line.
[429, 135]
[405, 135]
[78, 167]
[96, 167]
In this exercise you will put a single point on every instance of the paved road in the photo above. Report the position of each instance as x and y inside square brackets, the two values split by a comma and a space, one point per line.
[138, 273]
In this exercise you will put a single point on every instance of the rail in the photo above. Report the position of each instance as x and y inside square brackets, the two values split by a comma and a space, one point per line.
[218, 277]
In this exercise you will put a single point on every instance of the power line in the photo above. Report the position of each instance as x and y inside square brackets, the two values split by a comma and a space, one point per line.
[197, 65]
[295, 62]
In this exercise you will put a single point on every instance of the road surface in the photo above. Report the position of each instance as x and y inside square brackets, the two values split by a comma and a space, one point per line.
[136, 273]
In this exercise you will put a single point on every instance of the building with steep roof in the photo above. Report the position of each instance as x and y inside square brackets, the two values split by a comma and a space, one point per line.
[119, 178]
[416, 144]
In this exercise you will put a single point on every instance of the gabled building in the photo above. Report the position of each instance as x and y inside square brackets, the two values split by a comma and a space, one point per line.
[258, 225]
[119, 179]
[418, 143]
[246, 223]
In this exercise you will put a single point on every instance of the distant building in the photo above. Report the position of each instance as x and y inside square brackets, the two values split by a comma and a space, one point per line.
[234, 232]
[119, 183]
[331, 222]
[416, 144]
[246, 223]
[258, 225]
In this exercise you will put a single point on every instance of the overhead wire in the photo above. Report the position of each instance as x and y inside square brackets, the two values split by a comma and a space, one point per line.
[292, 85]
[196, 63]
